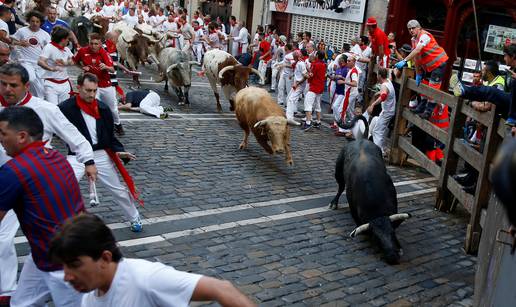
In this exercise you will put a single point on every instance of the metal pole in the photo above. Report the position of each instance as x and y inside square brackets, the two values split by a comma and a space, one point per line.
[476, 27]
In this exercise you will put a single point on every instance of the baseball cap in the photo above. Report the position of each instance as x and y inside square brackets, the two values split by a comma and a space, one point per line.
[371, 21]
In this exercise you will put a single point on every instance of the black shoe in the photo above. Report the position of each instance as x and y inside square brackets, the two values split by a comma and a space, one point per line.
[460, 178]
[119, 129]
[317, 125]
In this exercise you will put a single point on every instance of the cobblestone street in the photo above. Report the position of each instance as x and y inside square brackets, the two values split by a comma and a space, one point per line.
[248, 217]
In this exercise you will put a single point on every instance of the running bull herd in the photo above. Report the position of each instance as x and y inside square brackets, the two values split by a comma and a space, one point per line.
[360, 168]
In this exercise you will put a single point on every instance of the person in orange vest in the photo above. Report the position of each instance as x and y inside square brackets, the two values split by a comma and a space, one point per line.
[430, 61]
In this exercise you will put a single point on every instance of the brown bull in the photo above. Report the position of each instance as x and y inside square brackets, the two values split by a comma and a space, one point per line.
[257, 111]
[100, 25]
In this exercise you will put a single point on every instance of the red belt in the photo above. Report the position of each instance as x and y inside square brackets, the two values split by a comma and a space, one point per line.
[57, 81]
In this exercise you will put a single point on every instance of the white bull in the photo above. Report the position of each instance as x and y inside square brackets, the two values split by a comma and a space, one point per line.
[176, 66]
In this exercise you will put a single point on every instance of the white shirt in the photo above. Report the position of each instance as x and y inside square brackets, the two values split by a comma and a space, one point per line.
[91, 124]
[38, 40]
[108, 10]
[200, 21]
[169, 26]
[139, 282]
[131, 21]
[51, 54]
[389, 105]
[359, 53]
[243, 37]
[352, 77]
[300, 71]
[4, 27]
[424, 39]
[198, 35]
[288, 60]
[54, 122]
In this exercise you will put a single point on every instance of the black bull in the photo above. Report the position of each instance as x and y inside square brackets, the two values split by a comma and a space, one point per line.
[371, 195]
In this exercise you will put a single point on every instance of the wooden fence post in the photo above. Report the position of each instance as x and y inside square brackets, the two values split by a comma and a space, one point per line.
[397, 155]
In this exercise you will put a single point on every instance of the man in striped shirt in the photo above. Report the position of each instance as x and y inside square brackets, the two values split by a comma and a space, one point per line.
[39, 184]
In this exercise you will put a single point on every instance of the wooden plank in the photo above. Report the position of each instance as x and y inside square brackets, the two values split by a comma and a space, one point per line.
[464, 198]
[396, 155]
[484, 118]
[469, 154]
[420, 157]
[426, 126]
[492, 141]
[438, 96]
[502, 130]
[444, 199]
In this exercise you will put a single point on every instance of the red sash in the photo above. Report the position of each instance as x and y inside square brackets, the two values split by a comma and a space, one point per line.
[348, 93]
[125, 175]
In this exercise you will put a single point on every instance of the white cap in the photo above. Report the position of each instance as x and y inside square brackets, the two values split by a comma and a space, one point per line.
[413, 24]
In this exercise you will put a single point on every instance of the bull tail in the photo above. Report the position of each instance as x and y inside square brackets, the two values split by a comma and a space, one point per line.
[353, 122]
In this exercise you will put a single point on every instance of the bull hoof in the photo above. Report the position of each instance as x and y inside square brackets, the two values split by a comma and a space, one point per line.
[290, 162]
[231, 108]
[333, 206]
[242, 146]
[219, 108]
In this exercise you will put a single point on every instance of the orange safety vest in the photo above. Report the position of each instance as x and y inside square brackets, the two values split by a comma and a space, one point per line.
[440, 117]
[432, 55]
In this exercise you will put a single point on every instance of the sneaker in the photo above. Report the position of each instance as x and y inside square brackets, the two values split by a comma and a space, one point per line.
[317, 125]
[306, 126]
[119, 129]
[456, 85]
[511, 122]
[136, 225]
[163, 115]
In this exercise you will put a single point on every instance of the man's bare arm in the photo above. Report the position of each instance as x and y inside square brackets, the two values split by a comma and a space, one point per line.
[221, 291]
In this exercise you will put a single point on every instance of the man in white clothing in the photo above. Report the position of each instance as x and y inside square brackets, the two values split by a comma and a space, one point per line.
[299, 84]
[144, 101]
[93, 264]
[286, 73]
[14, 86]
[130, 19]
[242, 40]
[277, 59]
[53, 59]
[234, 29]
[346, 106]
[387, 98]
[32, 39]
[5, 15]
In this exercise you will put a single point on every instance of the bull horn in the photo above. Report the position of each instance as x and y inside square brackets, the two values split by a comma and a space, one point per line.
[169, 69]
[359, 230]
[399, 216]
[97, 25]
[223, 70]
[260, 123]
[254, 70]
[290, 121]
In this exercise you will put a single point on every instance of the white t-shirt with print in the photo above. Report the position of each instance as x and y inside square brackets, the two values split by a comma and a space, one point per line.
[300, 71]
[139, 282]
[37, 41]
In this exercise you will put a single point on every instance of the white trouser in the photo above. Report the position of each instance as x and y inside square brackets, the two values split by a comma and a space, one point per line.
[379, 129]
[262, 68]
[293, 98]
[150, 105]
[331, 91]
[274, 76]
[337, 106]
[9, 262]
[284, 87]
[56, 93]
[108, 96]
[37, 88]
[312, 102]
[36, 287]
[108, 175]
[197, 52]
[234, 48]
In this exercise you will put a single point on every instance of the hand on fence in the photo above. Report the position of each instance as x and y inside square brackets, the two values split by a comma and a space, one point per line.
[419, 78]
[400, 64]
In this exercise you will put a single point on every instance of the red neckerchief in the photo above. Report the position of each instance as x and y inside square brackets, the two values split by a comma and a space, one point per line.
[110, 46]
[35, 144]
[57, 46]
[24, 101]
[197, 28]
[363, 47]
[90, 108]
[98, 9]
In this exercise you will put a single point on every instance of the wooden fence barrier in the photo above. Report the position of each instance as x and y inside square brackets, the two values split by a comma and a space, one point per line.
[449, 192]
